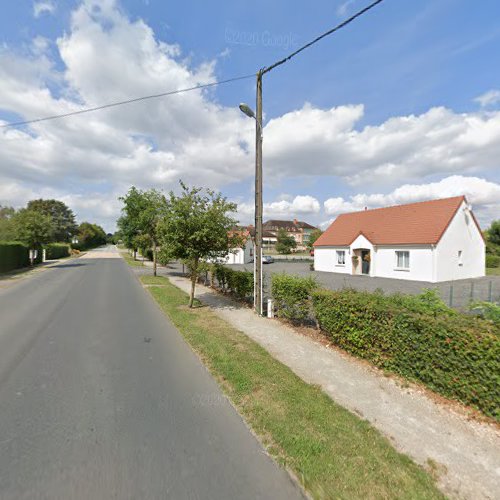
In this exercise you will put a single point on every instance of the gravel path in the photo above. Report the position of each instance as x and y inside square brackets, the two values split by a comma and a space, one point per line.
[465, 453]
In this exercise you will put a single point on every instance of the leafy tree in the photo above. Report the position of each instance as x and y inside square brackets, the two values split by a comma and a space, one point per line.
[494, 232]
[285, 243]
[142, 212]
[7, 230]
[196, 228]
[63, 218]
[33, 228]
[315, 234]
[91, 235]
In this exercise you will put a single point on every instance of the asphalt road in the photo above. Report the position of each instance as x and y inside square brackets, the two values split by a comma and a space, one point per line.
[101, 398]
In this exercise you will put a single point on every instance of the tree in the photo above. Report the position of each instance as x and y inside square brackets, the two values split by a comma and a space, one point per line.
[33, 228]
[63, 218]
[315, 234]
[7, 230]
[494, 232]
[285, 243]
[142, 212]
[91, 235]
[196, 228]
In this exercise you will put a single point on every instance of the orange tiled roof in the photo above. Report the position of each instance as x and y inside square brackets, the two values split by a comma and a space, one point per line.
[417, 223]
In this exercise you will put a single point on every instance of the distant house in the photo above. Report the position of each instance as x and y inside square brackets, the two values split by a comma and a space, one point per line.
[300, 231]
[438, 240]
[242, 254]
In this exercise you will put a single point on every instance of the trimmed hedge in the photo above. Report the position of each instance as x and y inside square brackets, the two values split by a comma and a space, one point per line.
[13, 255]
[454, 354]
[57, 250]
[292, 296]
[239, 283]
[492, 260]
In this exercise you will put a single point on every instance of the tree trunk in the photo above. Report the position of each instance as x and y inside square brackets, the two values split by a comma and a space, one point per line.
[194, 277]
[154, 258]
[193, 284]
[135, 254]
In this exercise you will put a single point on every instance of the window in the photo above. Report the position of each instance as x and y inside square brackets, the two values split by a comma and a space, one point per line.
[341, 257]
[460, 262]
[403, 259]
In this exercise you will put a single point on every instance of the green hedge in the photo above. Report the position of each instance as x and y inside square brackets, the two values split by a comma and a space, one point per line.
[292, 295]
[57, 250]
[454, 354]
[13, 255]
[492, 260]
[240, 283]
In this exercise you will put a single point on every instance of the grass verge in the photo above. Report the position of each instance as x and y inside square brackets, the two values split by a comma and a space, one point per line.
[493, 271]
[334, 453]
[129, 259]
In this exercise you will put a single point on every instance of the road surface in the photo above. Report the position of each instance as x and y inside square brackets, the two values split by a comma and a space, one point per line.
[101, 398]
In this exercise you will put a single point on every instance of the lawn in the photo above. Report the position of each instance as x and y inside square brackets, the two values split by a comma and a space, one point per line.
[129, 259]
[332, 452]
[493, 271]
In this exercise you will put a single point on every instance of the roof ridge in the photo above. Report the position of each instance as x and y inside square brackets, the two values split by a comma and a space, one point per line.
[404, 205]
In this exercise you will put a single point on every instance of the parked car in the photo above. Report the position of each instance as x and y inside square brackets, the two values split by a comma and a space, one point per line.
[267, 259]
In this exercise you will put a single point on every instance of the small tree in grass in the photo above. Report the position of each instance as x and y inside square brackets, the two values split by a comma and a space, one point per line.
[197, 228]
[285, 243]
[142, 212]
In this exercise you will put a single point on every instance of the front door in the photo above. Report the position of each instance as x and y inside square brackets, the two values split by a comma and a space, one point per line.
[365, 261]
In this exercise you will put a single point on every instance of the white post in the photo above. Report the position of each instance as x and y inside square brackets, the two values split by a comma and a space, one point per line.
[270, 308]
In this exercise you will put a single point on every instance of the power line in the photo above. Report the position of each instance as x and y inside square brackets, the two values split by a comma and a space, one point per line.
[317, 39]
[128, 101]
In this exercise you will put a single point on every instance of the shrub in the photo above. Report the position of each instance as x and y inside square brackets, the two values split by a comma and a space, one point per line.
[454, 354]
[492, 260]
[13, 255]
[240, 283]
[57, 250]
[292, 295]
[488, 310]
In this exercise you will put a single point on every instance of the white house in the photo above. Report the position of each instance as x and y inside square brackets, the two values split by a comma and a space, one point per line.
[438, 240]
[241, 255]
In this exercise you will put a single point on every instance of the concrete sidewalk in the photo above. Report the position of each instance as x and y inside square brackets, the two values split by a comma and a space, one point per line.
[465, 453]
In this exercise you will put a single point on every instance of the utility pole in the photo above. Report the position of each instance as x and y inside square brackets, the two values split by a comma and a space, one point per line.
[258, 306]
[258, 200]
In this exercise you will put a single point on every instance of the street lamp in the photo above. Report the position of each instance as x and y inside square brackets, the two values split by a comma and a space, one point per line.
[248, 111]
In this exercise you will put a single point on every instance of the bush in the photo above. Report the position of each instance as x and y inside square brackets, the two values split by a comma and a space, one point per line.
[292, 295]
[13, 255]
[57, 250]
[488, 310]
[492, 260]
[456, 355]
[240, 283]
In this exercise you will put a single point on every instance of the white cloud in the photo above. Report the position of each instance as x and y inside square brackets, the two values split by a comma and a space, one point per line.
[344, 7]
[489, 98]
[311, 142]
[286, 207]
[482, 194]
[43, 6]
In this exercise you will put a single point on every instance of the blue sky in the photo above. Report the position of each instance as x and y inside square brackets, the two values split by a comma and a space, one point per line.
[402, 77]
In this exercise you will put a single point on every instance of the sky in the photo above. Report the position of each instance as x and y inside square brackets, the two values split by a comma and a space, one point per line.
[402, 105]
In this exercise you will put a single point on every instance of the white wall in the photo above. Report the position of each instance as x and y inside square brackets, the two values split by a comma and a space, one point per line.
[325, 259]
[462, 234]
[421, 265]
